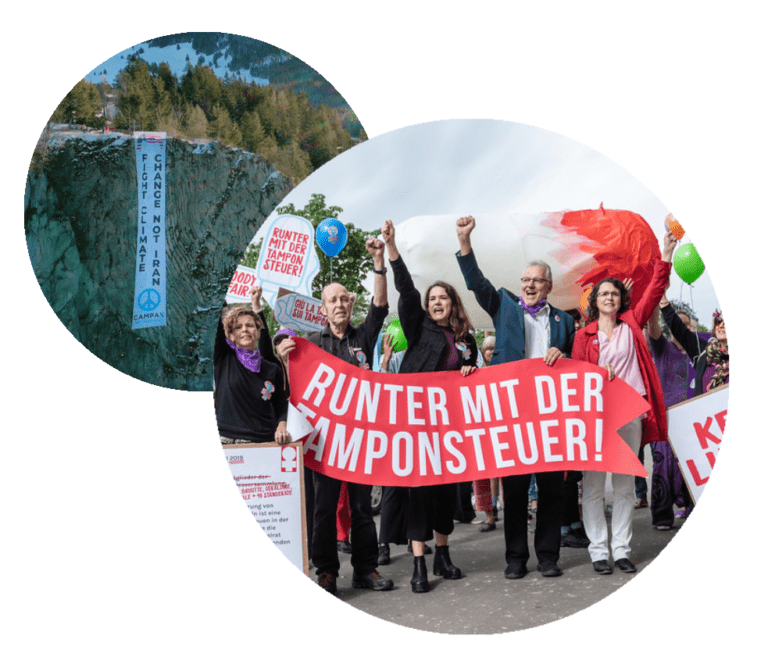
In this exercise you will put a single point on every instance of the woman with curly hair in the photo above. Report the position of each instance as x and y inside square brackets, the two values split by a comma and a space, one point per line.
[250, 400]
[613, 339]
[439, 339]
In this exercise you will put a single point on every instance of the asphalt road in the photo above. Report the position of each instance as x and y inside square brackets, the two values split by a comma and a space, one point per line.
[484, 602]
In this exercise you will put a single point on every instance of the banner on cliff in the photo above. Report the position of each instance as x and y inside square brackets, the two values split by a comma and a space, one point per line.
[288, 258]
[696, 429]
[428, 428]
[149, 298]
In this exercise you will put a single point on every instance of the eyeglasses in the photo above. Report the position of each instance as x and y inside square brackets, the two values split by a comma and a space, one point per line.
[604, 294]
[535, 280]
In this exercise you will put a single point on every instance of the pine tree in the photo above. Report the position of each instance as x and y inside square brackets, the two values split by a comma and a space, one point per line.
[80, 105]
[253, 133]
[195, 122]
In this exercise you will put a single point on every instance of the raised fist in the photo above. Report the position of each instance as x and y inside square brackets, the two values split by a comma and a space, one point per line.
[465, 226]
[256, 297]
[375, 247]
[388, 231]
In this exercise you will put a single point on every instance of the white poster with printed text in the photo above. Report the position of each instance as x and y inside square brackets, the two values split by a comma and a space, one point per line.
[269, 478]
[239, 290]
[695, 430]
[288, 258]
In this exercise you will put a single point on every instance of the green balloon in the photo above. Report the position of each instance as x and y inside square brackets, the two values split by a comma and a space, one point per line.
[687, 263]
[398, 337]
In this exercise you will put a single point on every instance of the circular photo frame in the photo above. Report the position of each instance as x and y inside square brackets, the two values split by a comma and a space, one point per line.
[151, 176]
[549, 220]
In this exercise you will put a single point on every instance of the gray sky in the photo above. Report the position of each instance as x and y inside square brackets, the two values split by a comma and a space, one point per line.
[483, 166]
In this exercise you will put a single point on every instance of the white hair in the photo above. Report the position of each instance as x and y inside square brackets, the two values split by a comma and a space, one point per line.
[544, 265]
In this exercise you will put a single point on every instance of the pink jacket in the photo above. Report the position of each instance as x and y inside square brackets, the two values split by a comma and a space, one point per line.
[587, 348]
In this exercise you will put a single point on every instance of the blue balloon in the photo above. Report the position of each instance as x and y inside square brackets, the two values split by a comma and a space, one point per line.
[331, 236]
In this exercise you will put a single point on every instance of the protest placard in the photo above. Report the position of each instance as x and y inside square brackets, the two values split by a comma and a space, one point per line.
[241, 284]
[271, 481]
[695, 430]
[288, 258]
[299, 312]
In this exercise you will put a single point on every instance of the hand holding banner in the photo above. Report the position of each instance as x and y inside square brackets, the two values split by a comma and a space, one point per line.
[428, 428]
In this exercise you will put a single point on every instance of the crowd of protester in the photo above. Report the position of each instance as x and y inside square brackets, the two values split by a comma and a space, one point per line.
[652, 344]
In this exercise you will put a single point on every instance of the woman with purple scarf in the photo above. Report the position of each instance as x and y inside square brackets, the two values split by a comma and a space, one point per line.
[251, 404]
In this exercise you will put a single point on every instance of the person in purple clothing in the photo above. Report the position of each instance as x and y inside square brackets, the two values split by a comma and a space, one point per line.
[250, 400]
[708, 361]
[676, 374]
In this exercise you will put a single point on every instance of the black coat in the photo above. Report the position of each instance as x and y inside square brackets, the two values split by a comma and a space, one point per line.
[427, 344]
[692, 344]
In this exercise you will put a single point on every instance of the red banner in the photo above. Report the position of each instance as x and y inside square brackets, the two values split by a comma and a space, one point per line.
[428, 428]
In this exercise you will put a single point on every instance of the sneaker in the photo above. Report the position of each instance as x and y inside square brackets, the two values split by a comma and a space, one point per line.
[371, 581]
[641, 503]
[344, 546]
[662, 527]
[327, 582]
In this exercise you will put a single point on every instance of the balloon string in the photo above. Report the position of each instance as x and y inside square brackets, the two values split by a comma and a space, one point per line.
[690, 288]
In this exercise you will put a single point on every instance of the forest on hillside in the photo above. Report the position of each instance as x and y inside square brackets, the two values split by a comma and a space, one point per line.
[274, 121]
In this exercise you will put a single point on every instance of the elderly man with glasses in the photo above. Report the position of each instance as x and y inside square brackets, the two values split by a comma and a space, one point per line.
[527, 327]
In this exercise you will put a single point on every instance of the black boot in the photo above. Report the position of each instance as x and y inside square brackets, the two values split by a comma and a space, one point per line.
[419, 582]
[443, 566]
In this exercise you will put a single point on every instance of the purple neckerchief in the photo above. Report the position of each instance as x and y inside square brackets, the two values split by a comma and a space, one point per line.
[251, 359]
[531, 310]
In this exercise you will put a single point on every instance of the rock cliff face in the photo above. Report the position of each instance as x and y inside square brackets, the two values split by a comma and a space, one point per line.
[81, 225]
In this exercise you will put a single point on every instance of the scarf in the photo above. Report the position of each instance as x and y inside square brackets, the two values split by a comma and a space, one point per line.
[718, 357]
[531, 310]
[251, 359]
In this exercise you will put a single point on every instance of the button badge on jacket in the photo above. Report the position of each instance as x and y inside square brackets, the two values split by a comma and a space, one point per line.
[266, 393]
[465, 352]
[362, 360]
